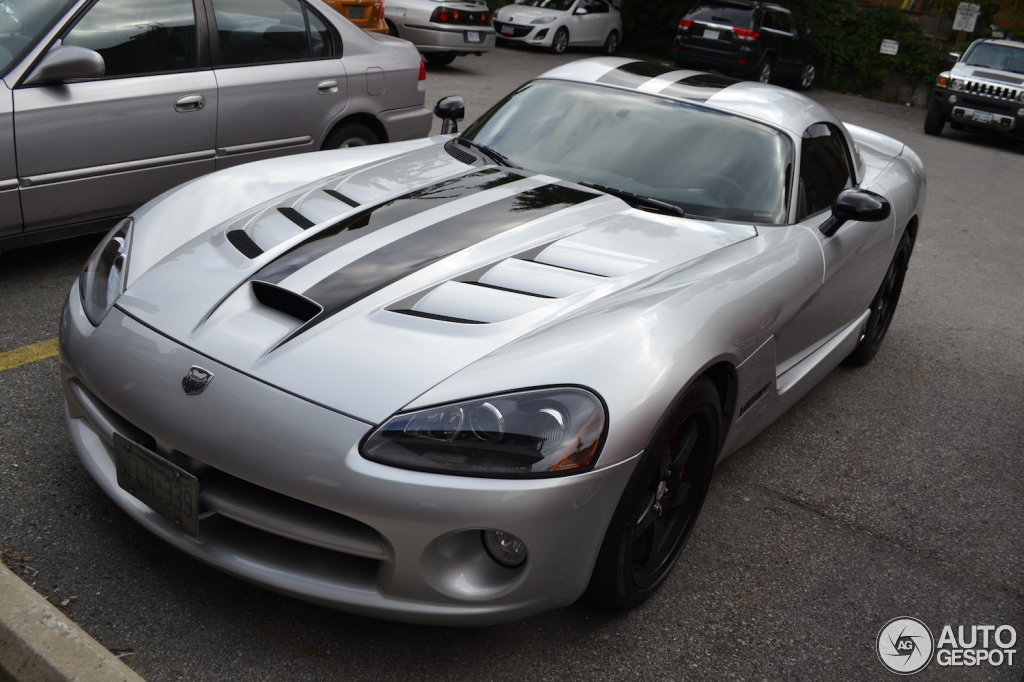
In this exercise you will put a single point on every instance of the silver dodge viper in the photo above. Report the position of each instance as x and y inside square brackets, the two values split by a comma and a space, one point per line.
[469, 378]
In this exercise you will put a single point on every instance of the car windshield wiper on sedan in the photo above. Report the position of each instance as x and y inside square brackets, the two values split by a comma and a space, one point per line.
[495, 156]
[638, 200]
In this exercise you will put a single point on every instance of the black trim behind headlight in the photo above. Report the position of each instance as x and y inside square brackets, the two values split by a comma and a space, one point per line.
[534, 433]
[102, 281]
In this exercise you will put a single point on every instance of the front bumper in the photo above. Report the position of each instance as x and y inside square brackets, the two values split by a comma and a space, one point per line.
[461, 39]
[290, 504]
[540, 35]
[977, 113]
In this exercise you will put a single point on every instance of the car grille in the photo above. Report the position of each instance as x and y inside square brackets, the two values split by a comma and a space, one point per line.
[517, 31]
[236, 512]
[1000, 92]
[988, 104]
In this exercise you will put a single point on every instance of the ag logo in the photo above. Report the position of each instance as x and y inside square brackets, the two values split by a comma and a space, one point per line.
[905, 645]
[196, 380]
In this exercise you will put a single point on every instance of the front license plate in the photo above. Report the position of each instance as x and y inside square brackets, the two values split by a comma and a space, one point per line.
[356, 12]
[507, 30]
[982, 117]
[165, 487]
[473, 37]
[711, 34]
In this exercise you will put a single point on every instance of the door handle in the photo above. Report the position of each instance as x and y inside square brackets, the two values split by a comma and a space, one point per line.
[328, 87]
[189, 103]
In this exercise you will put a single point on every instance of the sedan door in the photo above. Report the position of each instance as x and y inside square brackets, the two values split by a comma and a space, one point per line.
[96, 149]
[590, 28]
[280, 78]
[10, 205]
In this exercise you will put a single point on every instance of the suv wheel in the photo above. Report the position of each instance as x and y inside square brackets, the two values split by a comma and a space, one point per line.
[807, 76]
[764, 71]
[934, 121]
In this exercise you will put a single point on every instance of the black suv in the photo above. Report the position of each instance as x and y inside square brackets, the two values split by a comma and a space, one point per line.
[754, 40]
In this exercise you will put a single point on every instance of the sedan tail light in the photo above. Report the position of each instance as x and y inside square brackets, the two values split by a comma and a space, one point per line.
[445, 15]
[746, 34]
[421, 82]
[685, 24]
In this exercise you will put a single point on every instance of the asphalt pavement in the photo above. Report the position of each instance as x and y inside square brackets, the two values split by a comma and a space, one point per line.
[890, 490]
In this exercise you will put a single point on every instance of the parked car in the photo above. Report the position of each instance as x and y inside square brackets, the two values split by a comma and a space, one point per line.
[751, 40]
[442, 29]
[559, 24]
[983, 91]
[366, 14]
[110, 103]
[468, 378]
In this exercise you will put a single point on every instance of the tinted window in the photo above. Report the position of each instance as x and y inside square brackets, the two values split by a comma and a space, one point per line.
[268, 32]
[723, 13]
[782, 22]
[557, 5]
[139, 37]
[595, 6]
[322, 45]
[1001, 57]
[824, 169]
[709, 163]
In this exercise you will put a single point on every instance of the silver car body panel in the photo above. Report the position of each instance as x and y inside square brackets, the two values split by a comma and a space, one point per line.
[10, 203]
[411, 19]
[580, 290]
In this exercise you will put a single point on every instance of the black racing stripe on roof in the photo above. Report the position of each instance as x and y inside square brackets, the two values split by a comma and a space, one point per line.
[701, 86]
[416, 251]
[375, 217]
[635, 74]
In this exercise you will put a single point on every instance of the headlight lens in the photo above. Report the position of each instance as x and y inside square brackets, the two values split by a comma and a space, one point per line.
[956, 84]
[543, 20]
[942, 80]
[102, 281]
[533, 433]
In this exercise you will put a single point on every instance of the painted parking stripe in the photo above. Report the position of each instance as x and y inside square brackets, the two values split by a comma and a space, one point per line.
[28, 354]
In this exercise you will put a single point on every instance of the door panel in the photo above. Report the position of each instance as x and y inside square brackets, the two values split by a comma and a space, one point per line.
[10, 206]
[128, 126]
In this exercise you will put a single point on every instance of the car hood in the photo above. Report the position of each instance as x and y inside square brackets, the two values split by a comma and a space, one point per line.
[364, 289]
[976, 73]
[522, 14]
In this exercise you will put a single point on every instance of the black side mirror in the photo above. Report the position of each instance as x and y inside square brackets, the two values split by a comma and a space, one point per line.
[856, 204]
[67, 62]
[450, 110]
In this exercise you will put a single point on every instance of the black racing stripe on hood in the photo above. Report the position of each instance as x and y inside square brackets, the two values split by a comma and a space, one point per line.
[375, 217]
[634, 74]
[699, 86]
[416, 251]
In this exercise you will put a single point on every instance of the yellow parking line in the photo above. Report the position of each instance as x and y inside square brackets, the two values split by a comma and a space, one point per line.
[28, 354]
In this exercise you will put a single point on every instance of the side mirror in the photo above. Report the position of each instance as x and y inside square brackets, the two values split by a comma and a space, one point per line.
[450, 110]
[581, 11]
[856, 204]
[953, 57]
[67, 62]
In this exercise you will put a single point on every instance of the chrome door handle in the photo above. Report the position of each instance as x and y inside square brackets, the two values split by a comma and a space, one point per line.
[189, 103]
[327, 87]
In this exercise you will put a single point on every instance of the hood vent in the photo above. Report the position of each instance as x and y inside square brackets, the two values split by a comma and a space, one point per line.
[241, 240]
[514, 291]
[341, 197]
[434, 316]
[285, 301]
[296, 217]
[460, 154]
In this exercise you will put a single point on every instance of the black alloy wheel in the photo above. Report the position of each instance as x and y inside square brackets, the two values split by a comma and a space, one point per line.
[661, 503]
[883, 307]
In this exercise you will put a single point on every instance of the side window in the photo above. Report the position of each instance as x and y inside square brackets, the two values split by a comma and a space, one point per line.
[596, 6]
[269, 32]
[768, 19]
[783, 22]
[139, 37]
[824, 169]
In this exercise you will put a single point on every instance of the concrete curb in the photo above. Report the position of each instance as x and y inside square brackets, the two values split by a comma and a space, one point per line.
[38, 643]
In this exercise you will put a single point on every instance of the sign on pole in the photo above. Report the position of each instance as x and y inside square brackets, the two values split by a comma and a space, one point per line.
[890, 47]
[966, 17]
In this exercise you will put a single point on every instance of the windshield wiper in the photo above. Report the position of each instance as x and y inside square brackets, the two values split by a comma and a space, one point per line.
[493, 155]
[638, 200]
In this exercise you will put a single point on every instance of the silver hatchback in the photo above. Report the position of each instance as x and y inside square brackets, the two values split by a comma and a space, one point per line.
[104, 104]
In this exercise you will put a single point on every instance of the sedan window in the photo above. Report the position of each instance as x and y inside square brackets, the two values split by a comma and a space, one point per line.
[21, 24]
[595, 6]
[708, 163]
[269, 32]
[139, 37]
[558, 5]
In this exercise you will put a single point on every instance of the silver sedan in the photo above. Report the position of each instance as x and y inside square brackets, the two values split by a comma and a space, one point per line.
[442, 29]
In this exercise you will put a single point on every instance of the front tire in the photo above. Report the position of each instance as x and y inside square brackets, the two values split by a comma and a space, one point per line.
[934, 121]
[883, 307]
[661, 503]
[351, 135]
[560, 42]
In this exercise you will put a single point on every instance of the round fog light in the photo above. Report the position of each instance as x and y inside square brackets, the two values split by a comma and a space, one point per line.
[1020, 112]
[952, 99]
[505, 548]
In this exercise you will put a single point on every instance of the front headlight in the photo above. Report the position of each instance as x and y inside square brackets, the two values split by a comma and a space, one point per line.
[102, 281]
[534, 433]
[543, 20]
[956, 84]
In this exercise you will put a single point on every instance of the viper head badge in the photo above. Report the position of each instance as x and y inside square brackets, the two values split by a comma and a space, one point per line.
[196, 381]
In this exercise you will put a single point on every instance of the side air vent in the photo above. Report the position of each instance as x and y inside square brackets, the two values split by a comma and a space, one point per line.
[241, 240]
[453, 148]
[285, 301]
[341, 197]
[432, 316]
[296, 217]
[514, 291]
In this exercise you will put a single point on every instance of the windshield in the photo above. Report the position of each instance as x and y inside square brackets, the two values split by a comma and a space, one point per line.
[739, 15]
[710, 164]
[1002, 57]
[559, 5]
[21, 24]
